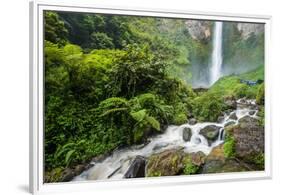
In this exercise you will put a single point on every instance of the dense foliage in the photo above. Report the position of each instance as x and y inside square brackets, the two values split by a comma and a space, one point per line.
[106, 97]
[113, 81]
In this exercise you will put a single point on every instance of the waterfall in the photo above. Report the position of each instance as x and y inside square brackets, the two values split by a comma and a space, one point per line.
[215, 72]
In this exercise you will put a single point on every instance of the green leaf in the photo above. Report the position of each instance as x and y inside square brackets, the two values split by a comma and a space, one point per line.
[68, 156]
[81, 142]
[63, 149]
[113, 110]
[153, 122]
[139, 115]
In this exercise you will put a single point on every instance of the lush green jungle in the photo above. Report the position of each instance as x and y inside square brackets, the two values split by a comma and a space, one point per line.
[113, 82]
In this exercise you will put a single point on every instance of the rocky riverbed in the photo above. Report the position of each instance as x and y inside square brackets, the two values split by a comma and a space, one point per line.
[234, 143]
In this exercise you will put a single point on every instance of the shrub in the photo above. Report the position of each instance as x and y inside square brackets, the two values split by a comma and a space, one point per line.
[180, 119]
[260, 95]
[229, 147]
[207, 107]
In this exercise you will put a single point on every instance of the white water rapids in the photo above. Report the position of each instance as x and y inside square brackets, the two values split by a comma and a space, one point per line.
[116, 165]
[215, 70]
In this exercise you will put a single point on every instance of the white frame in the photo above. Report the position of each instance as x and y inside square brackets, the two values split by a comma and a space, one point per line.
[36, 98]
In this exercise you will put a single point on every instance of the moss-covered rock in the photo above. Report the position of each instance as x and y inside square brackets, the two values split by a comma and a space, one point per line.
[55, 175]
[193, 162]
[167, 163]
[216, 162]
[189, 168]
[229, 165]
[245, 141]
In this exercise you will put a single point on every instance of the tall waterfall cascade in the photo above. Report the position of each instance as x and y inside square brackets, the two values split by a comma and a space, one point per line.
[215, 71]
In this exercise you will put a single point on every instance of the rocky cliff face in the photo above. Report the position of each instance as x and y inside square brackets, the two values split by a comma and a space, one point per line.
[246, 29]
[199, 30]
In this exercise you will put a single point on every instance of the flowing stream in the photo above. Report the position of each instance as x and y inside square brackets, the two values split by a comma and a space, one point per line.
[116, 165]
[217, 53]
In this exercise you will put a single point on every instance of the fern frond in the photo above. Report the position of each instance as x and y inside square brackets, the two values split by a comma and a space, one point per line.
[139, 115]
[113, 101]
[113, 110]
[153, 122]
[68, 157]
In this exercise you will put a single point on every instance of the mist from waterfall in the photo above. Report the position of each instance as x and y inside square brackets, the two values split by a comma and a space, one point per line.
[215, 71]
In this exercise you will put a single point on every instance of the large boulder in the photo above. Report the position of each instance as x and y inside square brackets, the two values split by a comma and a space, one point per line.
[167, 163]
[137, 168]
[249, 139]
[186, 134]
[216, 162]
[229, 165]
[211, 133]
[216, 154]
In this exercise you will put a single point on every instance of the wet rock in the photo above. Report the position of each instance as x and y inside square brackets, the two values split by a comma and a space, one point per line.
[186, 134]
[252, 112]
[220, 119]
[229, 124]
[210, 132]
[166, 163]
[233, 116]
[159, 146]
[140, 146]
[192, 121]
[227, 112]
[137, 168]
[254, 107]
[115, 171]
[243, 101]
